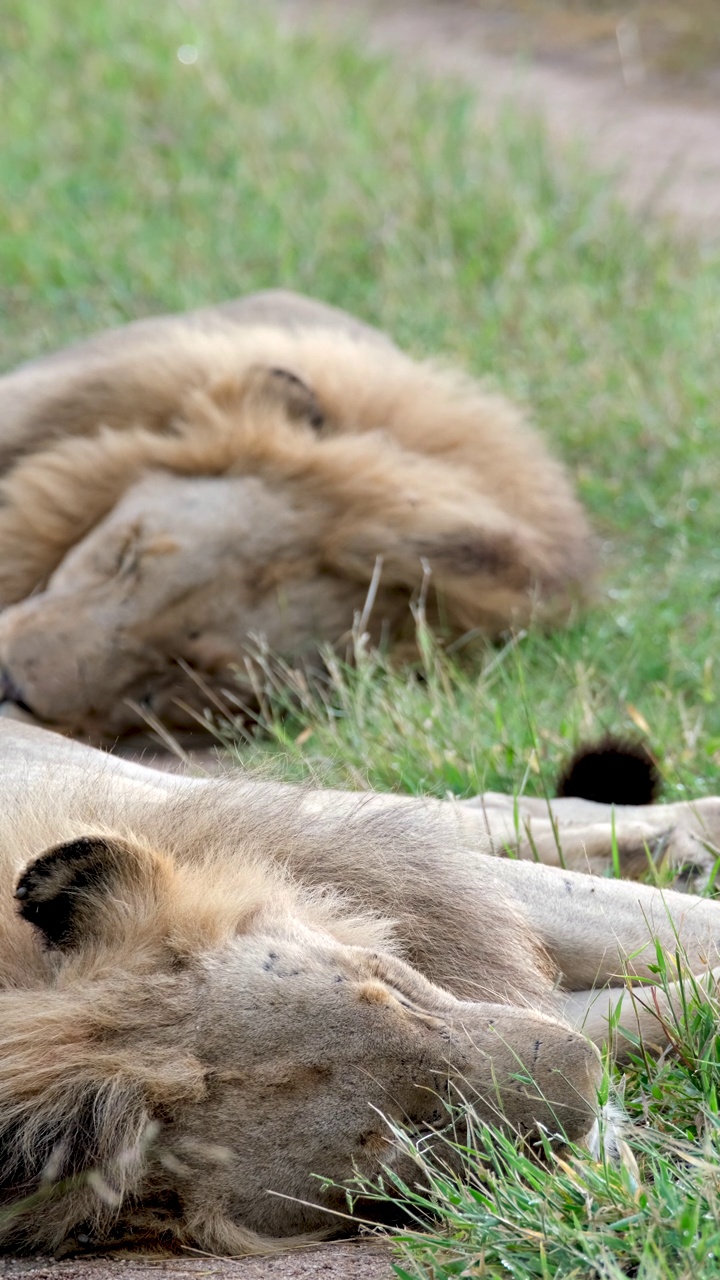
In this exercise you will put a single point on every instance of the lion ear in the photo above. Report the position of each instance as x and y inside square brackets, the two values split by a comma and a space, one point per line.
[71, 892]
[287, 390]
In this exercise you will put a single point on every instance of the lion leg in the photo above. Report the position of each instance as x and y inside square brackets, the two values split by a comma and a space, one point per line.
[598, 931]
[494, 824]
[582, 835]
[602, 933]
[649, 1012]
[579, 835]
[534, 831]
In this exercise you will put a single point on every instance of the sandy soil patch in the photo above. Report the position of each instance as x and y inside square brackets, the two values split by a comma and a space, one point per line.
[335, 1261]
[663, 149]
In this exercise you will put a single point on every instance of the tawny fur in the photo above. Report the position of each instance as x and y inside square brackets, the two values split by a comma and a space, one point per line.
[354, 452]
[228, 984]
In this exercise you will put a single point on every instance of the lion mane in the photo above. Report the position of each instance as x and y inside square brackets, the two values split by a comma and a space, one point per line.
[350, 464]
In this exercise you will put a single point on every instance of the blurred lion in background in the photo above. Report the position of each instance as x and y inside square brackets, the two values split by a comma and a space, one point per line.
[175, 489]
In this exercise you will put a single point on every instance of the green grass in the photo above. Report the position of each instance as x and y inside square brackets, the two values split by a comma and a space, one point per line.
[133, 182]
[484, 1206]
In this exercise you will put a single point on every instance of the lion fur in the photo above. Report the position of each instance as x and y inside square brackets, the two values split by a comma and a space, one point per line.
[372, 458]
[259, 981]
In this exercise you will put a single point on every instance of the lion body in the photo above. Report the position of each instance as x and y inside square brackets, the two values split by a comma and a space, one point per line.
[215, 991]
[259, 469]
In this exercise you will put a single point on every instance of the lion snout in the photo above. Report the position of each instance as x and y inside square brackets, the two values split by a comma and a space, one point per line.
[531, 1074]
[53, 665]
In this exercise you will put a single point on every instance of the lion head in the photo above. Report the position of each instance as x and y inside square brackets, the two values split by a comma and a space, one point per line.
[200, 499]
[212, 1054]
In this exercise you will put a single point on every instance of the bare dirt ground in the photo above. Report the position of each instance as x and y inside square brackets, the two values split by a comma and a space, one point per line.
[661, 140]
[336, 1261]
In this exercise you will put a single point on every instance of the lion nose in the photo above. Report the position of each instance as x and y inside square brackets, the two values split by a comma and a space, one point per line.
[9, 692]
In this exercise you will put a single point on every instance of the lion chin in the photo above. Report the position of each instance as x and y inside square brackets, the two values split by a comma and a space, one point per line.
[175, 493]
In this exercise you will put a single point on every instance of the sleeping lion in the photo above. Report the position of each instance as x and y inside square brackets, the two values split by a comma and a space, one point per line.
[268, 468]
[217, 993]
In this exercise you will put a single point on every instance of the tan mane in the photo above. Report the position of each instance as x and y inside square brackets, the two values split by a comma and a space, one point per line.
[178, 488]
[381, 475]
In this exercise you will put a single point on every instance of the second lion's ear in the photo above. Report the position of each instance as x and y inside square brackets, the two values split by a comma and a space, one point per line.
[290, 392]
[72, 890]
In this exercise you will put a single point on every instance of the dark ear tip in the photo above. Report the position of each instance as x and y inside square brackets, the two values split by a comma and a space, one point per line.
[300, 400]
[52, 890]
[612, 771]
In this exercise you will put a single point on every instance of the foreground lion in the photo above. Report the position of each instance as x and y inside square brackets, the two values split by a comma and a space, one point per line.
[175, 487]
[212, 991]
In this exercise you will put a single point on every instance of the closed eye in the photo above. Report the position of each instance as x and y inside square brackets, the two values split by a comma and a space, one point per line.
[127, 555]
[408, 1003]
